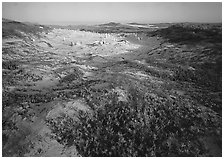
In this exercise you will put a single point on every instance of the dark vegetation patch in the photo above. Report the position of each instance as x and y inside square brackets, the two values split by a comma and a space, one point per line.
[10, 65]
[76, 75]
[14, 75]
[202, 77]
[13, 28]
[190, 34]
[200, 46]
[113, 30]
[143, 126]
[17, 97]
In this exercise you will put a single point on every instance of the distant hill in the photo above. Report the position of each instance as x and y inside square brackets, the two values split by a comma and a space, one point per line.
[9, 21]
[11, 28]
[111, 24]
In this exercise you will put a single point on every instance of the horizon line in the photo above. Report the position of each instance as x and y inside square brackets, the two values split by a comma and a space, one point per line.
[100, 22]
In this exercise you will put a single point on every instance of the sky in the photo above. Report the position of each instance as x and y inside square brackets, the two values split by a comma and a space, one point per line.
[102, 12]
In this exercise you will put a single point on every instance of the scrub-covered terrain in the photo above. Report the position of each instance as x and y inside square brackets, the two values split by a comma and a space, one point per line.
[111, 90]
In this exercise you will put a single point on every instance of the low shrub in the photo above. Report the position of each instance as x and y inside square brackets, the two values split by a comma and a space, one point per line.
[144, 126]
[10, 65]
[76, 74]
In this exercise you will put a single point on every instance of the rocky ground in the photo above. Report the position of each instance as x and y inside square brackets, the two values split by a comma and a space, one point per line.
[50, 78]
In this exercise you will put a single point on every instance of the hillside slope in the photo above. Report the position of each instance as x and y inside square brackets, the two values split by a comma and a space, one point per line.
[80, 93]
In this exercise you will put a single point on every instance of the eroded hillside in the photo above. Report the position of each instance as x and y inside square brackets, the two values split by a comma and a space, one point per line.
[79, 93]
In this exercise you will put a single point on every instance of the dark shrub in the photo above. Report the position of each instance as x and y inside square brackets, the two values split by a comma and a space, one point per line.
[11, 65]
[76, 74]
[144, 126]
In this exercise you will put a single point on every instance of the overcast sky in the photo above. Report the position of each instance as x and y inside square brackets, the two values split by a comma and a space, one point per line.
[95, 12]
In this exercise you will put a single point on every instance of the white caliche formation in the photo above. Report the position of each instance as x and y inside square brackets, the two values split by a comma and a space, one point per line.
[48, 55]
[85, 42]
